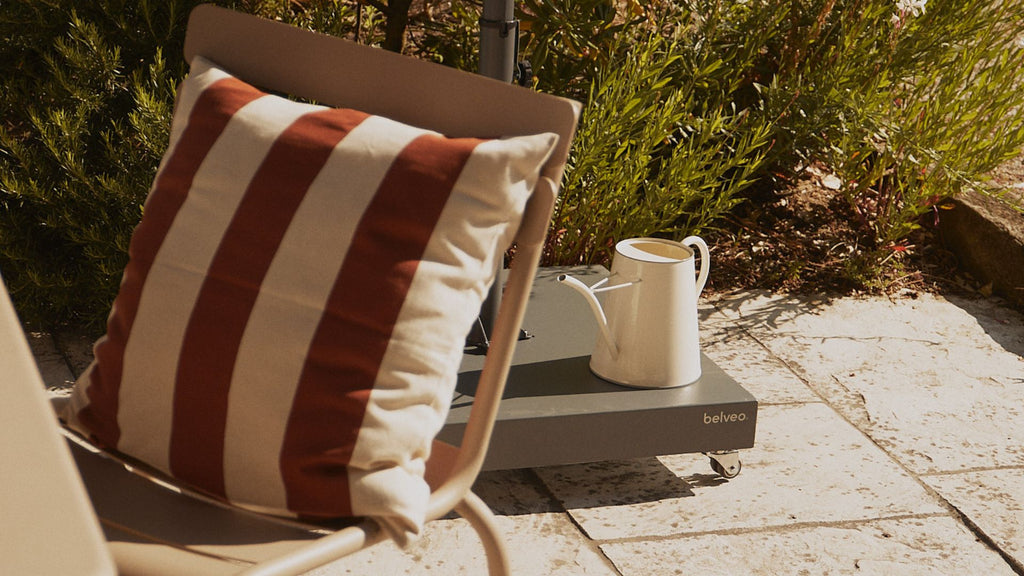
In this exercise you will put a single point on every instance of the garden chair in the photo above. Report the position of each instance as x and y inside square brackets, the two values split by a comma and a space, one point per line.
[49, 526]
[156, 523]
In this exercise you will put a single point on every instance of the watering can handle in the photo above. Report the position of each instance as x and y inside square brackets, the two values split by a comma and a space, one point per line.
[705, 260]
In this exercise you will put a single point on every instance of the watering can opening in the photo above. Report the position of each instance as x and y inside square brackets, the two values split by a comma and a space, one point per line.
[652, 250]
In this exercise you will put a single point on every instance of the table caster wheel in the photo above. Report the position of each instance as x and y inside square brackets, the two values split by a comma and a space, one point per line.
[726, 464]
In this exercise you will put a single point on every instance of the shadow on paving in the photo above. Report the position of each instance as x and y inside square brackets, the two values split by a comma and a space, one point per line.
[1004, 325]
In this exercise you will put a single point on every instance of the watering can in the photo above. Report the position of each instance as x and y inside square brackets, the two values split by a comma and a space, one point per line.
[648, 324]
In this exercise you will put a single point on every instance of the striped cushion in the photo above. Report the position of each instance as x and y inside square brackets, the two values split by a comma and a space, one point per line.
[291, 321]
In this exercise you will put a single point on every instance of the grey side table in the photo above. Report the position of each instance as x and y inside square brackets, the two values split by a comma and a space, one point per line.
[555, 411]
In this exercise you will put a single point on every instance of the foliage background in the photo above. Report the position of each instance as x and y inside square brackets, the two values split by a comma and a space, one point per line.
[697, 115]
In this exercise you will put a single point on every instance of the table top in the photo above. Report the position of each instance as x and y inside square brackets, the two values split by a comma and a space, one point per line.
[49, 525]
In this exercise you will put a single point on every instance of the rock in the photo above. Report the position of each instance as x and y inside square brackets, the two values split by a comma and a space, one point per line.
[987, 237]
[831, 181]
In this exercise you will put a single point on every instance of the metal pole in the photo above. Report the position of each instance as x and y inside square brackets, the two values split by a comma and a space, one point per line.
[499, 35]
[499, 39]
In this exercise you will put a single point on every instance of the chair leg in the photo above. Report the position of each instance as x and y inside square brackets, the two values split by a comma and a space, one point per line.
[480, 517]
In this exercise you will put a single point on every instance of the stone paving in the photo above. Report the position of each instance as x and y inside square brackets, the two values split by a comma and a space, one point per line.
[890, 441]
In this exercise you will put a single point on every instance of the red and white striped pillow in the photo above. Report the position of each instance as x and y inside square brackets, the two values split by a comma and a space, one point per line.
[291, 321]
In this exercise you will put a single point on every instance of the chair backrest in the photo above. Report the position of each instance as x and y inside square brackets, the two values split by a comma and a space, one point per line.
[340, 73]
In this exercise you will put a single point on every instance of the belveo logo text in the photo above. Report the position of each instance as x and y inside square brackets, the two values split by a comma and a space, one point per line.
[723, 418]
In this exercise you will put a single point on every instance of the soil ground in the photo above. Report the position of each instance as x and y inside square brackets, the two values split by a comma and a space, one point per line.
[801, 237]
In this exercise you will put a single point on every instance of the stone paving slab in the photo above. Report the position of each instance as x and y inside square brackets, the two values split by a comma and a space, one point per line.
[937, 382]
[889, 441]
[52, 366]
[939, 422]
[907, 547]
[541, 537]
[77, 349]
[808, 465]
[540, 544]
[750, 363]
[822, 338]
[993, 500]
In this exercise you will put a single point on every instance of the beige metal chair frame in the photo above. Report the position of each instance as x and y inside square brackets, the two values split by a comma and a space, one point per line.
[151, 529]
[49, 525]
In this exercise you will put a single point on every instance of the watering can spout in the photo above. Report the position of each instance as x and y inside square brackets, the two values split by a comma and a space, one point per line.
[602, 320]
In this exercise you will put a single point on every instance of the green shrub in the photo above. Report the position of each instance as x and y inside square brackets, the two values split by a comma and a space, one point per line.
[89, 96]
[908, 103]
[671, 132]
[86, 91]
[951, 110]
[448, 37]
[568, 41]
[686, 104]
[653, 154]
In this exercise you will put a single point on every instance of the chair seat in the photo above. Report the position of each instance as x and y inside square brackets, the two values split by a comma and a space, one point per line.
[138, 513]
[149, 521]
[140, 557]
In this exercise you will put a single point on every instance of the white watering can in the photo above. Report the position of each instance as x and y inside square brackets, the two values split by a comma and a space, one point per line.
[648, 323]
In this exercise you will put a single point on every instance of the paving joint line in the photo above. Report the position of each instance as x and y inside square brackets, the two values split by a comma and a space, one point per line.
[990, 542]
[591, 543]
[971, 471]
[793, 527]
[62, 350]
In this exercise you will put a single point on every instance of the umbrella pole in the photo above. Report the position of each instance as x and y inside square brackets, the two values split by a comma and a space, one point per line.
[499, 44]
[499, 39]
